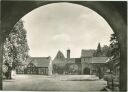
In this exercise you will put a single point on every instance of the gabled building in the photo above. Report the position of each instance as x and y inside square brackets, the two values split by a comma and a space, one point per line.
[59, 60]
[86, 64]
[62, 65]
[86, 59]
[92, 65]
[38, 65]
[59, 63]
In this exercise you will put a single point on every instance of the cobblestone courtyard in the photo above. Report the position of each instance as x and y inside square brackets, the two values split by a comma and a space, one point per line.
[53, 83]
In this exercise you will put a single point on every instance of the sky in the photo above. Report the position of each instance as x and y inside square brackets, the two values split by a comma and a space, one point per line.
[62, 26]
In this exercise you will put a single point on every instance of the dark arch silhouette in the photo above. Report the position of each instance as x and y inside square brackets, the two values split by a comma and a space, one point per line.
[115, 13]
[87, 71]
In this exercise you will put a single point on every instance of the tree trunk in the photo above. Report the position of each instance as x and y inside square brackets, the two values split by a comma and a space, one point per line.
[8, 73]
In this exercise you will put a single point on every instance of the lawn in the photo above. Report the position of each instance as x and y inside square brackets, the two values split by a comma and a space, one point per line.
[53, 83]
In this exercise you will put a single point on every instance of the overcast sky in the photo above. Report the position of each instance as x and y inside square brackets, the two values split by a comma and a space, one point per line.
[62, 26]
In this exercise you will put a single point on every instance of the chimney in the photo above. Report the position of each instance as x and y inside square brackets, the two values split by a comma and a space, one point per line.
[68, 54]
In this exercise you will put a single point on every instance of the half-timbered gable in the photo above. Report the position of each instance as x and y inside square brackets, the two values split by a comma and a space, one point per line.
[40, 65]
[36, 65]
[31, 69]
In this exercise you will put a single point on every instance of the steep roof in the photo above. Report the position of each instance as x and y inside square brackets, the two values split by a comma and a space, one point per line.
[60, 56]
[87, 53]
[28, 60]
[40, 61]
[99, 59]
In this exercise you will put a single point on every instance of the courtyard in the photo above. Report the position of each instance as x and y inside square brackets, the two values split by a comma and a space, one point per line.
[54, 83]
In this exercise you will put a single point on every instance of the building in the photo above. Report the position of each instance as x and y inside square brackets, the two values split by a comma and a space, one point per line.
[37, 65]
[87, 53]
[59, 63]
[62, 65]
[92, 65]
[113, 65]
[86, 64]
[73, 66]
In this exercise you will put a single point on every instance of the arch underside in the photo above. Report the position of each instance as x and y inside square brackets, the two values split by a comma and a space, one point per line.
[115, 13]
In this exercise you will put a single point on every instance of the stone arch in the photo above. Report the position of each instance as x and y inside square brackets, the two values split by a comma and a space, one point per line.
[115, 13]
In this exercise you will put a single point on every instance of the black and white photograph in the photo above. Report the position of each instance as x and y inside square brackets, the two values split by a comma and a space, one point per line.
[63, 46]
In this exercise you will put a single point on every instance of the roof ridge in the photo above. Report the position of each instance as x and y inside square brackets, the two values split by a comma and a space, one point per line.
[39, 57]
[47, 56]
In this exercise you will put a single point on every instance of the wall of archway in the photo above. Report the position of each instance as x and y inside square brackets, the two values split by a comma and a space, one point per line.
[115, 13]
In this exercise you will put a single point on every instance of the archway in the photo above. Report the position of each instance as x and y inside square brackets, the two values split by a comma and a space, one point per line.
[12, 11]
[86, 71]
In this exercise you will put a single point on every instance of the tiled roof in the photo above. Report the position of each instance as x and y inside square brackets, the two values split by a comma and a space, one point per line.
[77, 60]
[73, 60]
[40, 61]
[87, 53]
[59, 59]
[70, 60]
[28, 60]
[99, 59]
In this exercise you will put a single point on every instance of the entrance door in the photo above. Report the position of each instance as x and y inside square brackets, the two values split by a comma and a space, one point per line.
[87, 71]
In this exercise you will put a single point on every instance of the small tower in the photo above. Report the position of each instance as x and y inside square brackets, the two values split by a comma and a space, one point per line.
[99, 48]
[98, 51]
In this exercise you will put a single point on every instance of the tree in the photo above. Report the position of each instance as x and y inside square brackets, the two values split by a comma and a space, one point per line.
[106, 51]
[7, 57]
[15, 47]
[115, 53]
[115, 49]
[102, 51]
[99, 48]
[98, 51]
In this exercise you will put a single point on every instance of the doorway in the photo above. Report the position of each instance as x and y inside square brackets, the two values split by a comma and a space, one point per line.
[87, 71]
